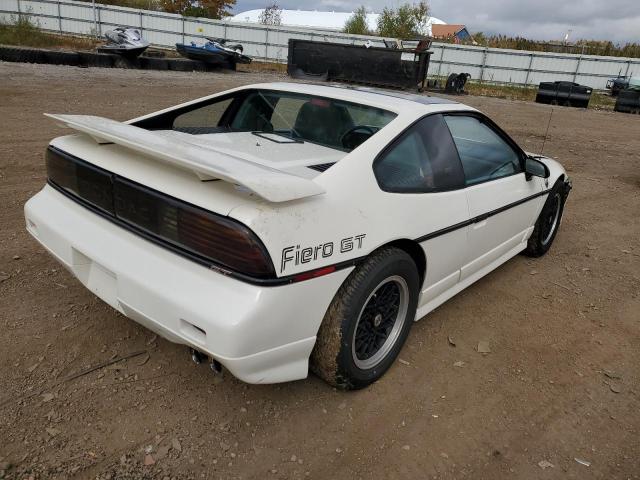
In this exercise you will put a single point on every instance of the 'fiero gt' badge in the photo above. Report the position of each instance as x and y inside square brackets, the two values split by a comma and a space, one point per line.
[297, 256]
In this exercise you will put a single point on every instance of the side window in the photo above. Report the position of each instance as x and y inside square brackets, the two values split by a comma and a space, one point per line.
[423, 159]
[202, 120]
[483, 153]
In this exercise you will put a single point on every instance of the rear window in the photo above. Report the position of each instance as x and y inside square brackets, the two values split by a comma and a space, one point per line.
[202, 120]
[329, 122]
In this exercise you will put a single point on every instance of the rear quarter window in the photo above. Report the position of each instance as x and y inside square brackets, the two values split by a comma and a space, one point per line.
[423, 159]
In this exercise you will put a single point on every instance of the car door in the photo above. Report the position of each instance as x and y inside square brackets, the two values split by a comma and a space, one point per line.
[502, 201]
[422, 170]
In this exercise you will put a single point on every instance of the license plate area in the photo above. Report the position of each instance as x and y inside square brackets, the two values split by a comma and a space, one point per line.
[97, 278]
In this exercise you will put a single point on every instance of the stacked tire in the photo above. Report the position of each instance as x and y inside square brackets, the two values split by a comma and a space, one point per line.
[628, 101]
[23, 55]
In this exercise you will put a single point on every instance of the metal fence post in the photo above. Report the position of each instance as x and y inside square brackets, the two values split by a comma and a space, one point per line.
[526, 79]
[440, 61]
[266, 44]
[484, 62]
[95, 19]
[183, 29]
[140, 21]
[59, 18]
[225, 30]
[19, 9]
[575, 74]
[99, 22]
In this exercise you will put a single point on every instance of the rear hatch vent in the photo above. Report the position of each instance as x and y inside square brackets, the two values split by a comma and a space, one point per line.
[321, 167]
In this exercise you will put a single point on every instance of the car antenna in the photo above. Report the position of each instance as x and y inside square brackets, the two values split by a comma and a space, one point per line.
[547, 132]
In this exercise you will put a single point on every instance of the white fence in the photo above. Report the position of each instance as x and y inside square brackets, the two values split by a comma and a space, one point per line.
[270, 43]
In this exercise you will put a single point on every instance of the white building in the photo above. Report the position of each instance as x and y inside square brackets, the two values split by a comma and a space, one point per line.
[318, 20]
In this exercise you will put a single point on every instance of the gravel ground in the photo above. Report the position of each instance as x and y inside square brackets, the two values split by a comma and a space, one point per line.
[556, 398]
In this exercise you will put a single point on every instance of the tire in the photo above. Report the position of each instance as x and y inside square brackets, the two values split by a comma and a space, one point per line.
[122, 62]
[22, 55]
[181, 65]
[548, 222]
[337, 358]
[8, 54]
[59, 57]
[85, 59]
[102, 60]
[154, 63]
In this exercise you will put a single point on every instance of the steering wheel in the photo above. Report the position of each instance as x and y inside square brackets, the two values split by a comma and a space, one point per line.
[355, 135]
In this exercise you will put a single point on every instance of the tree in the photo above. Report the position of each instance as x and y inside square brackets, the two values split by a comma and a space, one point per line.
[198, 8]
[407, 21]
[357, 24]
[271, 15]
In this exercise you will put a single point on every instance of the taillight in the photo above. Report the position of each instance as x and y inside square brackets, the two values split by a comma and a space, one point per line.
[212, 239]
[227, 242]
[82, 179]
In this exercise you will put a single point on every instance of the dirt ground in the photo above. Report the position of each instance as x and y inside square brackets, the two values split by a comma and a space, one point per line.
[558, 397]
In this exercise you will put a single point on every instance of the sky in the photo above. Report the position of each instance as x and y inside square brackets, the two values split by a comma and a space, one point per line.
[615, 20]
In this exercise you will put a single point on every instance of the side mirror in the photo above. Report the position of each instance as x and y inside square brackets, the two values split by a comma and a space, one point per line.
[535, 168]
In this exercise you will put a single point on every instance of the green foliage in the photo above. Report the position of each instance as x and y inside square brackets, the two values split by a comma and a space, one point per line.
[140, 4]
[22, 31]
[198, 8]
[406, 21]
[188, 8]
[356, 24]
[586, 47]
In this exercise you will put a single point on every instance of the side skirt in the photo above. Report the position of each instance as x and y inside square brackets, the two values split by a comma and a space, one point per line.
[458, 287]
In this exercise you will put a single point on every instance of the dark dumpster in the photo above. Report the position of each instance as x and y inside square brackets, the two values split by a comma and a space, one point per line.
[388, 67]
[569, 94]
[628, 101]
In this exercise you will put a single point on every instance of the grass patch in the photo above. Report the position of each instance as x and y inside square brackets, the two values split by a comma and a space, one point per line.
[508, 92]
[22, 31]
[263, 67]
[599, 101]
[602, 101]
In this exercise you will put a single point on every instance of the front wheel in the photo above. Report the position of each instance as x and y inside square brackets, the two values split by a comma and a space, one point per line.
[368, 321]
[548, 222]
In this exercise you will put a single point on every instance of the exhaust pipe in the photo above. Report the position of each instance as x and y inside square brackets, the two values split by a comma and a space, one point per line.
[199, 357]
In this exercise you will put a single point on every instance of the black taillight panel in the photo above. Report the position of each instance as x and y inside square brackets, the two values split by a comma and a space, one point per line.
[94, 185]
[208, 238]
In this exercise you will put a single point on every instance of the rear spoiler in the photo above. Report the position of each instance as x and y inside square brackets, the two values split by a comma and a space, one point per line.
[206, 162]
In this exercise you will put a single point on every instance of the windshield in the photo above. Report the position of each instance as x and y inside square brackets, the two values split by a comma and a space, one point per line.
[325, 121]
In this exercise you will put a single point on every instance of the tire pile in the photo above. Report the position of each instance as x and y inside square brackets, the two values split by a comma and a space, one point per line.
[628, 101]
[101, 60]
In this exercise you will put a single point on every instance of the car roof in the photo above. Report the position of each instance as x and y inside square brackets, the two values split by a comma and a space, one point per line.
[392, 99]
[412, 97]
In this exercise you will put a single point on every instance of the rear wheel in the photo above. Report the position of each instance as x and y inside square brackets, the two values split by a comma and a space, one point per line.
[548, 222]
[368, 321]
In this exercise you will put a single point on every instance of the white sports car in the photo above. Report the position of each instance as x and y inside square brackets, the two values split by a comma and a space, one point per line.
[280, 227]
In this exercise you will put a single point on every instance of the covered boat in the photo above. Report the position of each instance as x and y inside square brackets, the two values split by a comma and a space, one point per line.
[215, 51]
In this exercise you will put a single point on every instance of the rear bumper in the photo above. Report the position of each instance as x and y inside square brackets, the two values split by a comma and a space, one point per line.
[260, 334]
